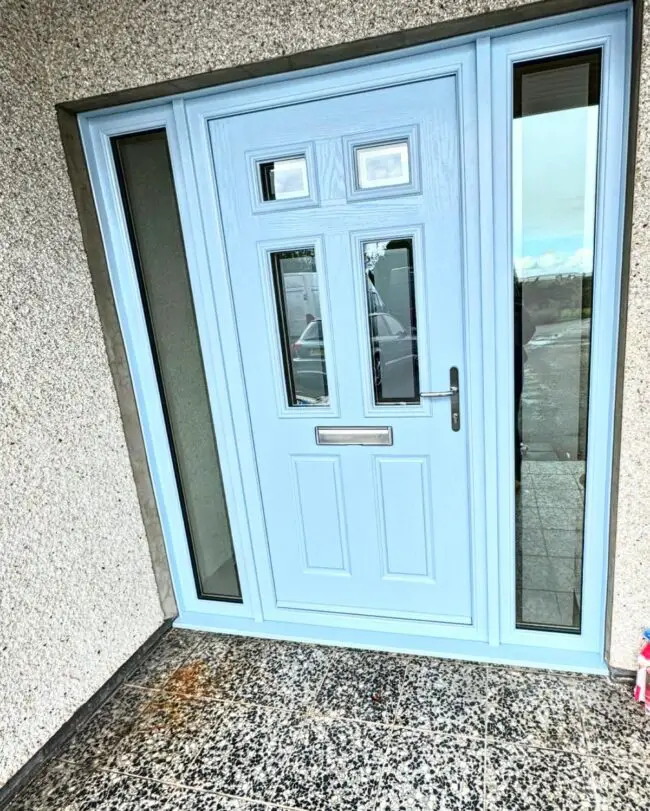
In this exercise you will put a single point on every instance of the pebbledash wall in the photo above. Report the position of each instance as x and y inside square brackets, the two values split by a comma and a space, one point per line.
[78, 593]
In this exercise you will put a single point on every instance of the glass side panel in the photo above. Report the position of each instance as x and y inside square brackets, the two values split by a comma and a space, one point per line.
[297, 299]
[380, 165]
[555, 148]
[149, 199]
[284, 179]
[392, 325]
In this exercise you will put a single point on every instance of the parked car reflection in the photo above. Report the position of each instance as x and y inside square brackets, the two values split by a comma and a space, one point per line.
[394, 360]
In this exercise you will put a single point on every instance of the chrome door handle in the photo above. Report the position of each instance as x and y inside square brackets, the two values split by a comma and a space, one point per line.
[452, 392]
[449, 393]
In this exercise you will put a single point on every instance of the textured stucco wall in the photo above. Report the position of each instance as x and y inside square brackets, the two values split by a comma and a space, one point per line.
[78, 594]
[77, 590]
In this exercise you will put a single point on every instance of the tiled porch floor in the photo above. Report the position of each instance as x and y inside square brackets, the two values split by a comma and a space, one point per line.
[215, 723]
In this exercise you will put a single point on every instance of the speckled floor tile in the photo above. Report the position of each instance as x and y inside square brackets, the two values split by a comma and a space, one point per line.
[59, 786]
[94, 743]
[168, 736]
[424, 771]
[621, 786]
[209, 671]
[334, 766]
[118, 792]
[258, 671]
[188, 800]
[244, 753]
[361, 684]
[284, 674]
[526, 778]
[535, 708]
[615, 725]
[168, 655]
[444, 696]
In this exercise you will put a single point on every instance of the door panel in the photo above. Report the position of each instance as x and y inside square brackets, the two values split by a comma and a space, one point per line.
[365, 225]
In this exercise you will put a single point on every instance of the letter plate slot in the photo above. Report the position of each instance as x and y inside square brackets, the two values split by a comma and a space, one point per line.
[327, 435]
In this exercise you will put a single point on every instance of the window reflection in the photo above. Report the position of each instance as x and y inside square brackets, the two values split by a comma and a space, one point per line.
[392, 325]
[297, 296]
[555, 136]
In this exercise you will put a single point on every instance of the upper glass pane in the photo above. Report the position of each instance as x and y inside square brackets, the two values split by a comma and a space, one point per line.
[380, 165]
[297, 297]
[392, 324]
[284, 179]
[149, 199]
[554, 170]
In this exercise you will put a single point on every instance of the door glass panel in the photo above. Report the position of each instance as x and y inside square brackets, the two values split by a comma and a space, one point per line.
[392, 326]
[555, 146]
[383, 165]
[149, 198]
[284, 179]
[297, 299]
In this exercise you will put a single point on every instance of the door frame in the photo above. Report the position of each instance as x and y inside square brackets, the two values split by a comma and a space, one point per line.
[493, 635]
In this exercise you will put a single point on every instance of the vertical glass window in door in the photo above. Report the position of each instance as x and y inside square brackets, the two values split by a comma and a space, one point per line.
[147, 186]
[554, 169]
[392, 322]
[300, 326]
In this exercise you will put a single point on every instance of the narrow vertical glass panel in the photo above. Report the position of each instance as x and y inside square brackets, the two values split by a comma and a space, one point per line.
[555, 150]
[380, 165]
[392, 326]
[297, 299]
[284, 179]
[147, 187]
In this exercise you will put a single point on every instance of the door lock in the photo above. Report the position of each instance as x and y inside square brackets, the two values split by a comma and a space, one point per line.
[453, 392]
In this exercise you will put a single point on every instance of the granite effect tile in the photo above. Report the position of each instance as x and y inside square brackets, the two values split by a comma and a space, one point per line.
[334, 766]
[245, 753]
[119, 792]
[531, 541]
[210, 670]
[95, 742]
[444, 696]
[535, 708]
[620, 785]
[423, 771]
[361, 684]
[563, 543]
[615, 725]
[540, 607]
[181, 799]
[168, 736]
[276, 673]
[59, 785]
[168, 655]
[526, 778]
[257, 671]
[188, 800]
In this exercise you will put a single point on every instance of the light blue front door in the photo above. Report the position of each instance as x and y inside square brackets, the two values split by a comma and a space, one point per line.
[343, 226]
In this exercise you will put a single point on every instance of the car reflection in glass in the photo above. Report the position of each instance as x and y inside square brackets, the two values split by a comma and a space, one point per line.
[394, 362]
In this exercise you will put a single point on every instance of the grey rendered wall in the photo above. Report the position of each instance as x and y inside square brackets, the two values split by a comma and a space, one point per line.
[78, 592]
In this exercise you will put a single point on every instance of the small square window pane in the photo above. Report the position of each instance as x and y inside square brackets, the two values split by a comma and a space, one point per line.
[382, 165]
[284, 179]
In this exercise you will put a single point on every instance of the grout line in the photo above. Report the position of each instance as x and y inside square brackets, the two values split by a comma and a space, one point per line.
[392, 727]
[588, 764]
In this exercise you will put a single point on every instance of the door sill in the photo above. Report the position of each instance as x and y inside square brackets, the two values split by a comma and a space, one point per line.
[446, 648]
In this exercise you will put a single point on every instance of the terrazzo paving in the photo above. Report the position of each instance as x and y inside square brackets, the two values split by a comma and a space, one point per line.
[218, 723]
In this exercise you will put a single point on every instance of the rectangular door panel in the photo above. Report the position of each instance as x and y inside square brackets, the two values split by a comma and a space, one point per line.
[321, 508]
[403, 499]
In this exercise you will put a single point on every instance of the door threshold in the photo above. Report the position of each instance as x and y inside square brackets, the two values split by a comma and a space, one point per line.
[469, 650]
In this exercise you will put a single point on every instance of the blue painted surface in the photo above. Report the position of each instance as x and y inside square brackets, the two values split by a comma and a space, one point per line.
[476, 132]
[377, 492]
